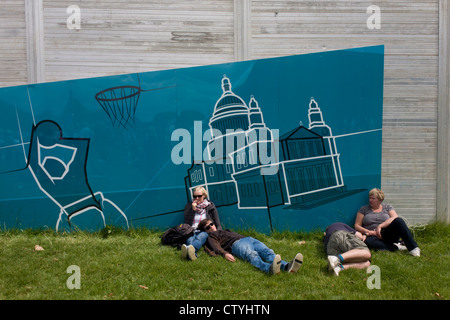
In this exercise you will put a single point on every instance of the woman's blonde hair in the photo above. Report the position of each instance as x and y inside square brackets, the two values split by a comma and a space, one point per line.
[378, 193]
[202, 190]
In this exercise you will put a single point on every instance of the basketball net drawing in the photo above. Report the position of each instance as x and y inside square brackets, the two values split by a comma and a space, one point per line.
[120, 103]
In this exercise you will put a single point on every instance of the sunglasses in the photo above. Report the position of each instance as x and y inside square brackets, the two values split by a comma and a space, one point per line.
[197, 196]
[209, 226]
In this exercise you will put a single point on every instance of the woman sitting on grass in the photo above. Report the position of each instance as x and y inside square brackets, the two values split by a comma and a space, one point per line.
[200, 208]
[383, 227]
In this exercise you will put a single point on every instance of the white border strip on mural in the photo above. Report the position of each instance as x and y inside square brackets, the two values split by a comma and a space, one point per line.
[352, 134]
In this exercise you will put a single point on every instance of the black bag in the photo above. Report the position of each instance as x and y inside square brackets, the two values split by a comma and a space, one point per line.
[177, 236]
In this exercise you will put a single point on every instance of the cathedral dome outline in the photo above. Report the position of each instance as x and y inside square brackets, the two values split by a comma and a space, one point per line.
[229, 107]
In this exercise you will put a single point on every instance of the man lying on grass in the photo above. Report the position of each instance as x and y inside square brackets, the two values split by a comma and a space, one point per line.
[345, 248]
[229, 244]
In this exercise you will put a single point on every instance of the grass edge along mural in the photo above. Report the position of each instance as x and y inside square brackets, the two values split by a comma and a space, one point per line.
[287, 143]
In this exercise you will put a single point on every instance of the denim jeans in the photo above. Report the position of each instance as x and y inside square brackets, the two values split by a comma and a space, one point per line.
[256, 253]
[197, 240]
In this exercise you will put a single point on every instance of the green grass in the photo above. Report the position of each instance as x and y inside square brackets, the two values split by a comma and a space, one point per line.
[116, 264]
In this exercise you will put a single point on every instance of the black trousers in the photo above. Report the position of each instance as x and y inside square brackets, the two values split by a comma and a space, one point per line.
[391, 234]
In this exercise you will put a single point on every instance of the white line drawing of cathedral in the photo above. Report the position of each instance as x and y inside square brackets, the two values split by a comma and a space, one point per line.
[304, 168]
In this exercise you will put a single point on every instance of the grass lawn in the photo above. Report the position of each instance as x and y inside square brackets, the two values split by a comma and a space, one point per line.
[116, 265]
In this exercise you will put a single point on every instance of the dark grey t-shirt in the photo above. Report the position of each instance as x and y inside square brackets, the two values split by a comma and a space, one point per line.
[372, 219]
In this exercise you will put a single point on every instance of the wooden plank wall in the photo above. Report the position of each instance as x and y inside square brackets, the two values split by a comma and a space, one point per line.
[13, 44]
[144, 35]
[123, 37]
[409, 30]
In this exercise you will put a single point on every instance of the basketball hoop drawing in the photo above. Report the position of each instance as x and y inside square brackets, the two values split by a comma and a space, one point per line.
[120, 103]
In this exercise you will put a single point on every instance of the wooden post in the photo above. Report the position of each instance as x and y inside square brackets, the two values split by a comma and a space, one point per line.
[35, 41]
[242, 32]
[443, 133]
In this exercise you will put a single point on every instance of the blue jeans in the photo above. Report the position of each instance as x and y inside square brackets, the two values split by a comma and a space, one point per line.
[197, 240]
[255, 252]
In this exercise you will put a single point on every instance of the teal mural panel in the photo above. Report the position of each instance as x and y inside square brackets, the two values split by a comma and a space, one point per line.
[289, 143]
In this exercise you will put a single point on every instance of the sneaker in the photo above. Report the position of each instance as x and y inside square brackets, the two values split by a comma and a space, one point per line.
[295, 264]
[188, 252]
[338, 269]
[415, 252]
[400, 246]
[184, 251]
[275, 266]
[334, 265]
[333, 262]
